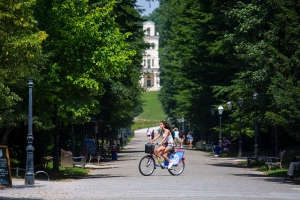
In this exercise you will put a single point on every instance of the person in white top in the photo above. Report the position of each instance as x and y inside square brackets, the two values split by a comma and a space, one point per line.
[167, 143]
[176, 137]
[148, 133]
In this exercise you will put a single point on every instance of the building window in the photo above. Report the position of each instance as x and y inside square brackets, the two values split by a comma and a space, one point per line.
[152, 46]
[152, 62]
[149, 83]
[148, 32]
[144, 62]
[148, 63]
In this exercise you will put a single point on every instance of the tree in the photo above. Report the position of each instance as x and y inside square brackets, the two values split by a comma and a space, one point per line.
[87, 49]
[20, 58]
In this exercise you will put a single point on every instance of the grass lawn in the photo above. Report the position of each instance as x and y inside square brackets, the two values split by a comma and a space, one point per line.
[153, 112]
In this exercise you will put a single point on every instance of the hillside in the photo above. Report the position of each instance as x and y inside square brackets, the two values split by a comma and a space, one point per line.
[153, 112]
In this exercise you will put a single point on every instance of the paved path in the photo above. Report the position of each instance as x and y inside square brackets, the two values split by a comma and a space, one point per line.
[205, 177]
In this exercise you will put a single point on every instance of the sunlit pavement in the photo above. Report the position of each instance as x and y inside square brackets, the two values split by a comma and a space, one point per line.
[205, 177]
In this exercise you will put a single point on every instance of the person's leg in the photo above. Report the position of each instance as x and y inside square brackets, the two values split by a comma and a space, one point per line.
[160, 150]
[217, 150]
[291, 168]
[165, 153]
[176, 141]
[180, 142]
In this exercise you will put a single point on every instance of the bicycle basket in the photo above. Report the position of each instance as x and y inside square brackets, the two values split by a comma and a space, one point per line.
[149, 148]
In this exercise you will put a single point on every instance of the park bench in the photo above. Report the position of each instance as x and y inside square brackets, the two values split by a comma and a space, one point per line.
[95, 153]
[252, 157]
[227, 152]
[274, 161]
[106, 150]
[80, 160]
[208, 147]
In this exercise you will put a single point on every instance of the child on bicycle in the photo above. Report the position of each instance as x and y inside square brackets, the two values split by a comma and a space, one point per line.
[167, 142]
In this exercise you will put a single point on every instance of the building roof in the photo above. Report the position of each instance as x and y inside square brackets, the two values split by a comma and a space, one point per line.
[148, 22]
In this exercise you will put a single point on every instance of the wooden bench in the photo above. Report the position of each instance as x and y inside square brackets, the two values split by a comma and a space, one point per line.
[274, 161]
[252, 157]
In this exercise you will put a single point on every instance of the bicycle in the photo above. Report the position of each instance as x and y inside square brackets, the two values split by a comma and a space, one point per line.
[149, 162]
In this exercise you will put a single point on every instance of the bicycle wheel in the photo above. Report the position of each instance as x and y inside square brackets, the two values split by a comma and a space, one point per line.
[177, 169]
[147, 165]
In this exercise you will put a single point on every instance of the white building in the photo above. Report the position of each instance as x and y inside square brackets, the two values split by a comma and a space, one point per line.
[150, 73]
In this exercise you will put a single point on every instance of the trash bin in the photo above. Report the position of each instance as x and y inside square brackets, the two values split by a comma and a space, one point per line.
[114, 153]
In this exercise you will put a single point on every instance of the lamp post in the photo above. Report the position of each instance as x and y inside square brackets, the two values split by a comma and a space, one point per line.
[241, 101]
[178, 120]
[183, 126]
[276, 140]
[212, 112]
[29, 175]
[220, 109]
[255, 96]
[229, 107]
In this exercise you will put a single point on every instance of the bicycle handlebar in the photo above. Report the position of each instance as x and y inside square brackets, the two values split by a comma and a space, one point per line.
[153, 143]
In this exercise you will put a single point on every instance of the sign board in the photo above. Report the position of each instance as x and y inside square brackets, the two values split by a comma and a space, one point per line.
[5, 173]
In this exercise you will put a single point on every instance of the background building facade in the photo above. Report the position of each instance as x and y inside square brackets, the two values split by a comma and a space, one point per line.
[150, 74]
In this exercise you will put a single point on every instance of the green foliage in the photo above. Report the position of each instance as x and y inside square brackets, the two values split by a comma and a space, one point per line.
[215, 51]
[20, 58]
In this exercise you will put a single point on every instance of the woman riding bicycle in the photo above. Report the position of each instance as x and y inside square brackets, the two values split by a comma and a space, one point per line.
[167, 142]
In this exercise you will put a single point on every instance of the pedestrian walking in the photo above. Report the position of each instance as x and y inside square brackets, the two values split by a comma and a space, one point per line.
[176, 137]
[181, 138]
[190, 140]
[148, 133]
[152, 134]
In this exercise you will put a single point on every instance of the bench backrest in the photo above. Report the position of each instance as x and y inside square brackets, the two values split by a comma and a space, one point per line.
[281, 154]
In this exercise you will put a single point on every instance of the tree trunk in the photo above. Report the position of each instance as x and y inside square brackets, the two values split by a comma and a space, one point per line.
[7, 132]
[55, 148]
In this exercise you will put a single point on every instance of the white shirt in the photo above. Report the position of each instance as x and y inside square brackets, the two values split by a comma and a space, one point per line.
[169, 139]
[176, 134]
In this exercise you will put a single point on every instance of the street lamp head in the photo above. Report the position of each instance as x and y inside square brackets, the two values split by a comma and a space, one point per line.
[241, 101]
[212, 111]
[255, 95]
[220, 109]
[30, 83]
[229, 105]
